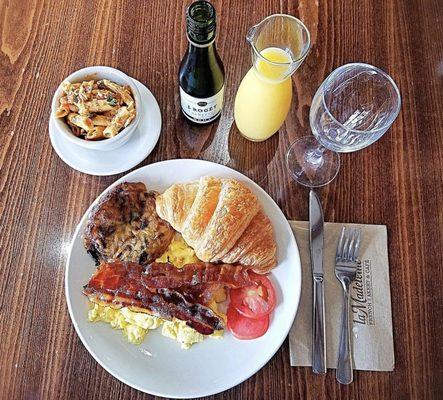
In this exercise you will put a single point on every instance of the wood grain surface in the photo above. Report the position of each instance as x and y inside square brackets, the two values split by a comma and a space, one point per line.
[397, 181]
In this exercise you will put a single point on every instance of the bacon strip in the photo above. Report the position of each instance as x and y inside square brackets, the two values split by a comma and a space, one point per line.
[165, 275]
[120, 284]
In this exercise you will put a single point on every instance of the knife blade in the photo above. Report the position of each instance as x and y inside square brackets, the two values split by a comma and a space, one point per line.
[316, 242]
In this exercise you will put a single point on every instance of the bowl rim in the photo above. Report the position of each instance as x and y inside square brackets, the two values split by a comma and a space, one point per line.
[74, 77]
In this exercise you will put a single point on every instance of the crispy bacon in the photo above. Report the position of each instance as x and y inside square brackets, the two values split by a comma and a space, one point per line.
[165, 275]
[202, 294]
[120, 284]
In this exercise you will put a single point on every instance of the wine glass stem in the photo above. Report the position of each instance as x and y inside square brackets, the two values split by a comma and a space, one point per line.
[315, 156]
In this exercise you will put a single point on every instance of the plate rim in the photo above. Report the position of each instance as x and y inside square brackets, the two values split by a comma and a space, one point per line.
[254, 370]
[150, 147]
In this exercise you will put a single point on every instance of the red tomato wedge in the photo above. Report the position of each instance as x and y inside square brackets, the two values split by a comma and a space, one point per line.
[254, 301]
[246, 328]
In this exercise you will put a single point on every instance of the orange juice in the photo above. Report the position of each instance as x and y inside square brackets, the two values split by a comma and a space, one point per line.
[264, 96]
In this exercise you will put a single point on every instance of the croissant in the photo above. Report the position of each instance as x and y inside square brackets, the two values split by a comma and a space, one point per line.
[222, 220]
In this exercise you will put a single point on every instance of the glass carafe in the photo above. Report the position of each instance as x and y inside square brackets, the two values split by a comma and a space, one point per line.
[279, 44]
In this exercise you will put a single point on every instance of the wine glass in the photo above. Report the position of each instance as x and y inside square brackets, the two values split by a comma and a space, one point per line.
[352, 108]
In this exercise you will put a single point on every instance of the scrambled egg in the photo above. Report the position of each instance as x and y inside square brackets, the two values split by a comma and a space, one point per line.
[178, 330]
[178, 253]
[135, 326]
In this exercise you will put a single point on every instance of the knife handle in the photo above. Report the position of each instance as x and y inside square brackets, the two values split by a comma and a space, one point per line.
[318, 327]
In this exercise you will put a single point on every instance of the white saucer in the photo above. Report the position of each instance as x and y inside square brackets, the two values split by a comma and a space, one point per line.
[112, 162]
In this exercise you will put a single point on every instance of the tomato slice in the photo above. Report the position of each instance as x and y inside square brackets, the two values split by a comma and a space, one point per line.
[245, 328]
[254, 301]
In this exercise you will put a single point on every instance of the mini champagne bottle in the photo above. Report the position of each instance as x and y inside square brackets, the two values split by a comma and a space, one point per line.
[201, 74]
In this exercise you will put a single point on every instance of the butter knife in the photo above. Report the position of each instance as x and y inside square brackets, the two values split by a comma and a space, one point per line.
[318, 315]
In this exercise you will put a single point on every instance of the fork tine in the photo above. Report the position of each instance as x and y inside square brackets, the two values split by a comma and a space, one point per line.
[346, 245]
[339, 253]
[351, 244]
[357, 244]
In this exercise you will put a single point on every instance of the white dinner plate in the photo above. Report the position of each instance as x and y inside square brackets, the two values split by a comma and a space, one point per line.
[133, 152]
[159, 366]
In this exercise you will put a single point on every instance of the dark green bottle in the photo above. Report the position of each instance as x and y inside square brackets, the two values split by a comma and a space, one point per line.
[201, 74]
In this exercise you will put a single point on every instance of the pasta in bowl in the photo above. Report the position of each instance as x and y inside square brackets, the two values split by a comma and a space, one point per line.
[97, 108]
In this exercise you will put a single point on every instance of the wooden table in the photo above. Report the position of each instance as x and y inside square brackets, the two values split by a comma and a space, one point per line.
[396, 181]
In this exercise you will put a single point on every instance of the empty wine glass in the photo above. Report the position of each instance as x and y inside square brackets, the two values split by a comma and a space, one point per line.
[353, 107]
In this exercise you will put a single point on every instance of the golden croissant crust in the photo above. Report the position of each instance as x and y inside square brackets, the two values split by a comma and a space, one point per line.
[222, 220]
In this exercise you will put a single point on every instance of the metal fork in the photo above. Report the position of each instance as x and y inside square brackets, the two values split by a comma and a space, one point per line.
[345, 270]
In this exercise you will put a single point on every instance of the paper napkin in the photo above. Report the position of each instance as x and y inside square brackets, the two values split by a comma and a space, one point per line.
[371, 317]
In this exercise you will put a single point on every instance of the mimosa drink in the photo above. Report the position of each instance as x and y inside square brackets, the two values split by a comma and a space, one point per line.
[279, 44]
[263, 98]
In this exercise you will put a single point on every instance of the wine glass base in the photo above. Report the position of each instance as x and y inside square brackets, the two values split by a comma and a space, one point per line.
[310, 164]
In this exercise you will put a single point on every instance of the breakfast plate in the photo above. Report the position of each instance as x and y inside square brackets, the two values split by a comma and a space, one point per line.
[133, 152]
[158, 365]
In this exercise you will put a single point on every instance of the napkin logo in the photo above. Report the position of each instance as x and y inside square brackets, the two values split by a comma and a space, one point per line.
[362, 295]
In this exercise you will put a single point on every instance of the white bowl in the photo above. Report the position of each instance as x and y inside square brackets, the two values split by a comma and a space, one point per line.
[96, 73]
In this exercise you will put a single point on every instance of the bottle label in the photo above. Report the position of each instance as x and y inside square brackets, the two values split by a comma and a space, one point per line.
[201, 110]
